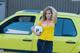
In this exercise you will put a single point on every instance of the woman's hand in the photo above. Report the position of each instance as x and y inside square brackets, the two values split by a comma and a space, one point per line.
[33, 30]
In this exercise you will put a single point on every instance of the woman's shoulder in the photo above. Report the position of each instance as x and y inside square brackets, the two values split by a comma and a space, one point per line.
[53, 21]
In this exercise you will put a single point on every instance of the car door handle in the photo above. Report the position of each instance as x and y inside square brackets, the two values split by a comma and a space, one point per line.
[70, 42]
[27, 40]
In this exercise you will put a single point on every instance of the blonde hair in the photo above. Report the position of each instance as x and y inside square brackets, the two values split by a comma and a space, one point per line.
[53, 12]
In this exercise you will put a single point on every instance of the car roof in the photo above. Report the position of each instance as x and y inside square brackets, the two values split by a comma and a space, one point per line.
[28, 11]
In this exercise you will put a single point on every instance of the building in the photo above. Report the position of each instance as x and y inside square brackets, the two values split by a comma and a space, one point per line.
[11, 6]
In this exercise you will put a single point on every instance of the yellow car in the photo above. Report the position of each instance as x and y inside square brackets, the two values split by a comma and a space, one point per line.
[16, 34]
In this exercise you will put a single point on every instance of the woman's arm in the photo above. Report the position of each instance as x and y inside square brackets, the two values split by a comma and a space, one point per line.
[54, 15]
[33, 28]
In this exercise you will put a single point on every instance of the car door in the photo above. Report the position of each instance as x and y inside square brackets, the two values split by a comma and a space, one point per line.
[16, 33]
[65, 36]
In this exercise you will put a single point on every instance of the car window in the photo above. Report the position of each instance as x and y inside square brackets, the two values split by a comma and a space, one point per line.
[65, 27]
[18, 25]
[27, 18]
[58, 27]
[19, 28]
[69, 28]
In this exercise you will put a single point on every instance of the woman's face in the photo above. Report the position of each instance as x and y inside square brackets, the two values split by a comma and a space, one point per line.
[48, 14]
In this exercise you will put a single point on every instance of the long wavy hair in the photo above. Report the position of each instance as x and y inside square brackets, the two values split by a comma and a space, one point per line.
[53, 12]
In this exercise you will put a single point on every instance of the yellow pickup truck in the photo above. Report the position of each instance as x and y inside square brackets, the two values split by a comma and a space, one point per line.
[16, 35]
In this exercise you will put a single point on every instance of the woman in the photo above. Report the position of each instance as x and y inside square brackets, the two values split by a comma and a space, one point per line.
[46, 38]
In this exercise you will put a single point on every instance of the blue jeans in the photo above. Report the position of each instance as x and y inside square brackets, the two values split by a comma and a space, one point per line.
[44, 46]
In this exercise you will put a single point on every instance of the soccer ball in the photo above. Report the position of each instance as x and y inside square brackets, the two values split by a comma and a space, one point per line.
[38, 29]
